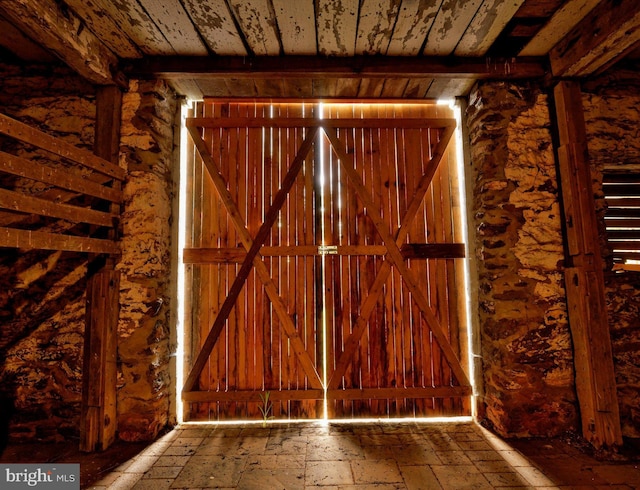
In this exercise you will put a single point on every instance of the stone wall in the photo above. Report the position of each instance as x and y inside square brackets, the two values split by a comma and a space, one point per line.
[144, 346]
[612, 114]
[42, 292]
[525, 340]
[42, 302]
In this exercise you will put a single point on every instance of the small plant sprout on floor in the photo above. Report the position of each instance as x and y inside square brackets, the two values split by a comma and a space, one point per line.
[265, 408]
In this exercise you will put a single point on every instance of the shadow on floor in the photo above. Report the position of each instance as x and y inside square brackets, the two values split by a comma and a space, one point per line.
[347, 456]
[92, 465]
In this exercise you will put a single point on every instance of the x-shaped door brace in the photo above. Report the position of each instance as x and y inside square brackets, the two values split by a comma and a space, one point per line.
[394, 257]
[254, 259]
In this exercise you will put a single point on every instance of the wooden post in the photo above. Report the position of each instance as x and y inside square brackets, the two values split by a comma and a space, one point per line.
[98, 423]
[98, 417]
[584, 278]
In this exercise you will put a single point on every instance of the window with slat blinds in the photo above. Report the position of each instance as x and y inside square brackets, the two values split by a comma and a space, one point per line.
[622, 218]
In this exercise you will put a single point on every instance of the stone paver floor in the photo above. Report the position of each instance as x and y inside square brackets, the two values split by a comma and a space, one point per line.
[338, 456]
[347, 456]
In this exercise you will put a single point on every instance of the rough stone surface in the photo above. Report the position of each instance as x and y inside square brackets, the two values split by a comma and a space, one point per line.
[612, 115]
[42, 293]
[42, 304]
[525, 340]
[144, 347]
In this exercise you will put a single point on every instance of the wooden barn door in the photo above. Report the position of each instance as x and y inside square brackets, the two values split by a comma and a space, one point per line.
[320, 260]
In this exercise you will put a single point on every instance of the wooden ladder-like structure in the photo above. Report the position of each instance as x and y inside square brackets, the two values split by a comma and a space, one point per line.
[92, 203]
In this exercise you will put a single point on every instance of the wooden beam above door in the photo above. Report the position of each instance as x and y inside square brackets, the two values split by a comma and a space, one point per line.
[273, 67]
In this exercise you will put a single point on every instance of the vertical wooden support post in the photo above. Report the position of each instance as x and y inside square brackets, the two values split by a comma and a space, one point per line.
[98, 417]
[98, 429]
[584, 278]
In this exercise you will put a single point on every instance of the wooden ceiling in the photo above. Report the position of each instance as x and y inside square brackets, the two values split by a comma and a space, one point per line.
[321, 48]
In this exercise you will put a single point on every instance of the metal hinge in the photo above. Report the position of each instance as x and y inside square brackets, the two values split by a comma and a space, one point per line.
[328, 250]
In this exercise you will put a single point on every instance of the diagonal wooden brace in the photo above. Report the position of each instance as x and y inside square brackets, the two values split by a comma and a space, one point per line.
[394, 257]
[371, 299]
[253, 259]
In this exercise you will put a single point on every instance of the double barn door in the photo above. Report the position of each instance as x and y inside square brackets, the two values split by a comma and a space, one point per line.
[322, 263]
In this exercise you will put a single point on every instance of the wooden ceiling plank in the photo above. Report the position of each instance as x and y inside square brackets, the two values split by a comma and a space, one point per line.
[325, 87]
[347, 87]
[394, 87]
[270, 87]
[297, 26]
[63, 32]
[241, 87]
[198, 89]
[417, 88]
[216, 26]
[447, 88]
[375, 25]
[255, 19]
[191, 89]
[492, 17]
[560, 24]
[449, 26]
[298, 87]
[370, 88]
[412, 26]
[606, 34]
[336, 24]
[102, 24]
[539, 8]
[133, 20]
[176, 25]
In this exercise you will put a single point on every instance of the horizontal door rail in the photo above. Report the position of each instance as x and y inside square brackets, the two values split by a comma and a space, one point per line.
[409, 251]
[308, 122]
[315, 394]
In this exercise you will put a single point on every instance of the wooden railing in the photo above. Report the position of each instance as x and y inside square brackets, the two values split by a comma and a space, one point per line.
[77, 204]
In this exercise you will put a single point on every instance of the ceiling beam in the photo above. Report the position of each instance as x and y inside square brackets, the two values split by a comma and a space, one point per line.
[66, 35]
[180, 67]
[606, 34]
[559, 25]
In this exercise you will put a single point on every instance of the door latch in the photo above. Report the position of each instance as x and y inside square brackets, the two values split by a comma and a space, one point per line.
[328, 250]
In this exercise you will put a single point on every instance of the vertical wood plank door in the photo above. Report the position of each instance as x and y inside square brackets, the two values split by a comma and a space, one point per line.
[323, 261]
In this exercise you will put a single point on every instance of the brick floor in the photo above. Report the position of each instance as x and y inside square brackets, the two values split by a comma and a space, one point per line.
[345, 456]
[373, 456]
